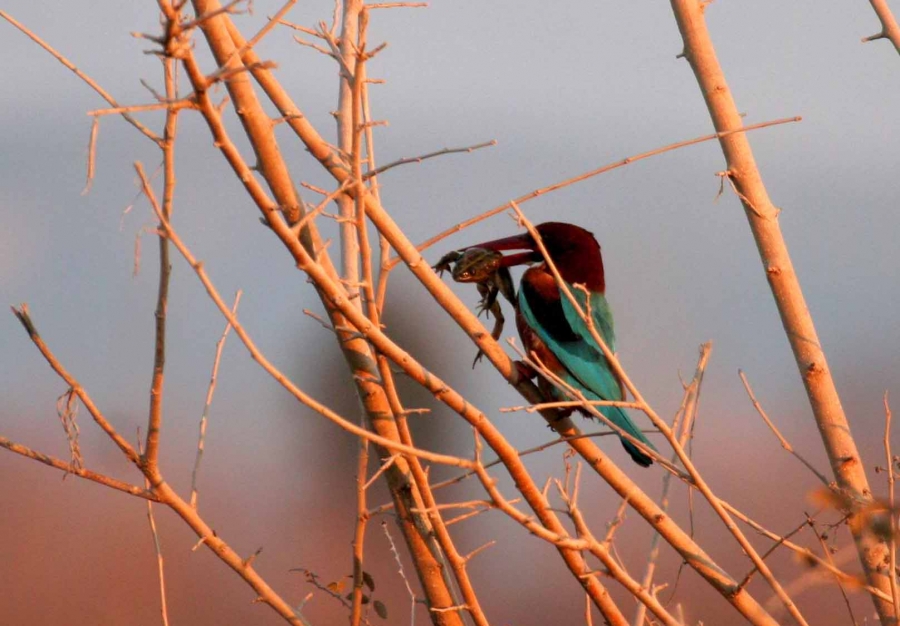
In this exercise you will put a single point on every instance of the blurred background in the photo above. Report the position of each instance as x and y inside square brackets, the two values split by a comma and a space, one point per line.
[563, 88]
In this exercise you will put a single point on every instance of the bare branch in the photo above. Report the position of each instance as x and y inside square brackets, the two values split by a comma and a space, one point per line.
[198, 268]
[96, 87]
[92, 156]
[430, 155]
[784, 442]
[59, 464]
[23, 316]
[848, 469]
[889, 28]
[596, 172]
[160, 561]
[220, 346]
[892, 512]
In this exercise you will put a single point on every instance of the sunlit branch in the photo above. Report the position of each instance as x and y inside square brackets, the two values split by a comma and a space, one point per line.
[596, 172]
[198, 268]
[59, 464]
[93, 84]
[662, 426]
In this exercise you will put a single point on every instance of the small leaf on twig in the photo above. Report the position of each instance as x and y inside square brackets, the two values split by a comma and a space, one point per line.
[336, 586]
[380, 609]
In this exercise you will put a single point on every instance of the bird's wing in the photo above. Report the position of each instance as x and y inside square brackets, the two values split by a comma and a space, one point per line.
[601, 315]
[586, 367]
[582, 358]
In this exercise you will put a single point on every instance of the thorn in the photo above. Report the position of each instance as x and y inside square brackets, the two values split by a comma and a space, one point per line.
[874, 37]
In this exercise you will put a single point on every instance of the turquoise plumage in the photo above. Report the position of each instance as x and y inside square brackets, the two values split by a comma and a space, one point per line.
[585, 367]
[550, 326]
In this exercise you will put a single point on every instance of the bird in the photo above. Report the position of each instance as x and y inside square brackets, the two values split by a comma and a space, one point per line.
[551, 328]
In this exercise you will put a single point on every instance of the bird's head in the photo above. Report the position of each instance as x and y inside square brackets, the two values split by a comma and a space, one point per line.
[574, 251]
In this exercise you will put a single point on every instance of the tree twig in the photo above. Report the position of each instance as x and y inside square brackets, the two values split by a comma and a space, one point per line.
[430, 155]
[90, 81]
[211, 389]
[595, 172]
[784, 442]
[825, 402]
[892, 540]
[889, 28]
[698, 480]
[59, 464]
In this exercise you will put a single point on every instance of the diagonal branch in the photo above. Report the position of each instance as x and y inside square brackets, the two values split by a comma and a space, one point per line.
[595, 172]
[130, 453]
[59, 464]
[762, 217]
[889, 28]
[698, 480]
[90, 81]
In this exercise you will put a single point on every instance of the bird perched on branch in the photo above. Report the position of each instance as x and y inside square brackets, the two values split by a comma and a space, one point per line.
[552, 329]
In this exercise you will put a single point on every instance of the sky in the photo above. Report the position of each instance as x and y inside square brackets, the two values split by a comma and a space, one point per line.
[563, 88]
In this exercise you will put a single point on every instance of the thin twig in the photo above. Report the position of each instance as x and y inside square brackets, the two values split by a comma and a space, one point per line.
[430, 155]
[198, 268]
[412, 594]
[687, 415]
[892, 541]
[807, 554]
[157, 545]
[211, 389]
[59, 464]
[23, 316]
[92, 156]
[565, 404]
[397, 5]
[183, 103]
[837, 579]
[698, 480]
[600, 170]
[601, 550]
[775, 546]
[91, 83]
[784, 442]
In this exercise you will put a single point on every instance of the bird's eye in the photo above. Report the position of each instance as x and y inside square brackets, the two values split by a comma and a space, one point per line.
[464, 274]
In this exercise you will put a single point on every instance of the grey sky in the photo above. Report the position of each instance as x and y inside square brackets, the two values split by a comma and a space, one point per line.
[563, 88]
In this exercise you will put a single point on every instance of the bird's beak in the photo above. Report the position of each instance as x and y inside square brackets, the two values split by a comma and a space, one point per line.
[517, 242]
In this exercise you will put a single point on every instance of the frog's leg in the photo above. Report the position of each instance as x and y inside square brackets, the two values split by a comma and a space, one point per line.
[497, 312]
[443, 265]
[504, 283]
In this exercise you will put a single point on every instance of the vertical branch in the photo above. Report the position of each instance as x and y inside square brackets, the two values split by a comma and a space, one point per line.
[159, 357]
[687, 415]
[444, 550]
[160, 562]
[892, 542]
[362, 233]
[224, 38]
[798, 324]
[359, 535]
[347, 131]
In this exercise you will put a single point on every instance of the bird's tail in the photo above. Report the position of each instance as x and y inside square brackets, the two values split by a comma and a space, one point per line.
[620, 418]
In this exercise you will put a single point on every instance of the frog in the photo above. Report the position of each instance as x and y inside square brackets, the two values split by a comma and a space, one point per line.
[482, 267]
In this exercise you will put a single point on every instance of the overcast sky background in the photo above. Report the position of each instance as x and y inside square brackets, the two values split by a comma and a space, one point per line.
[563, 88]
